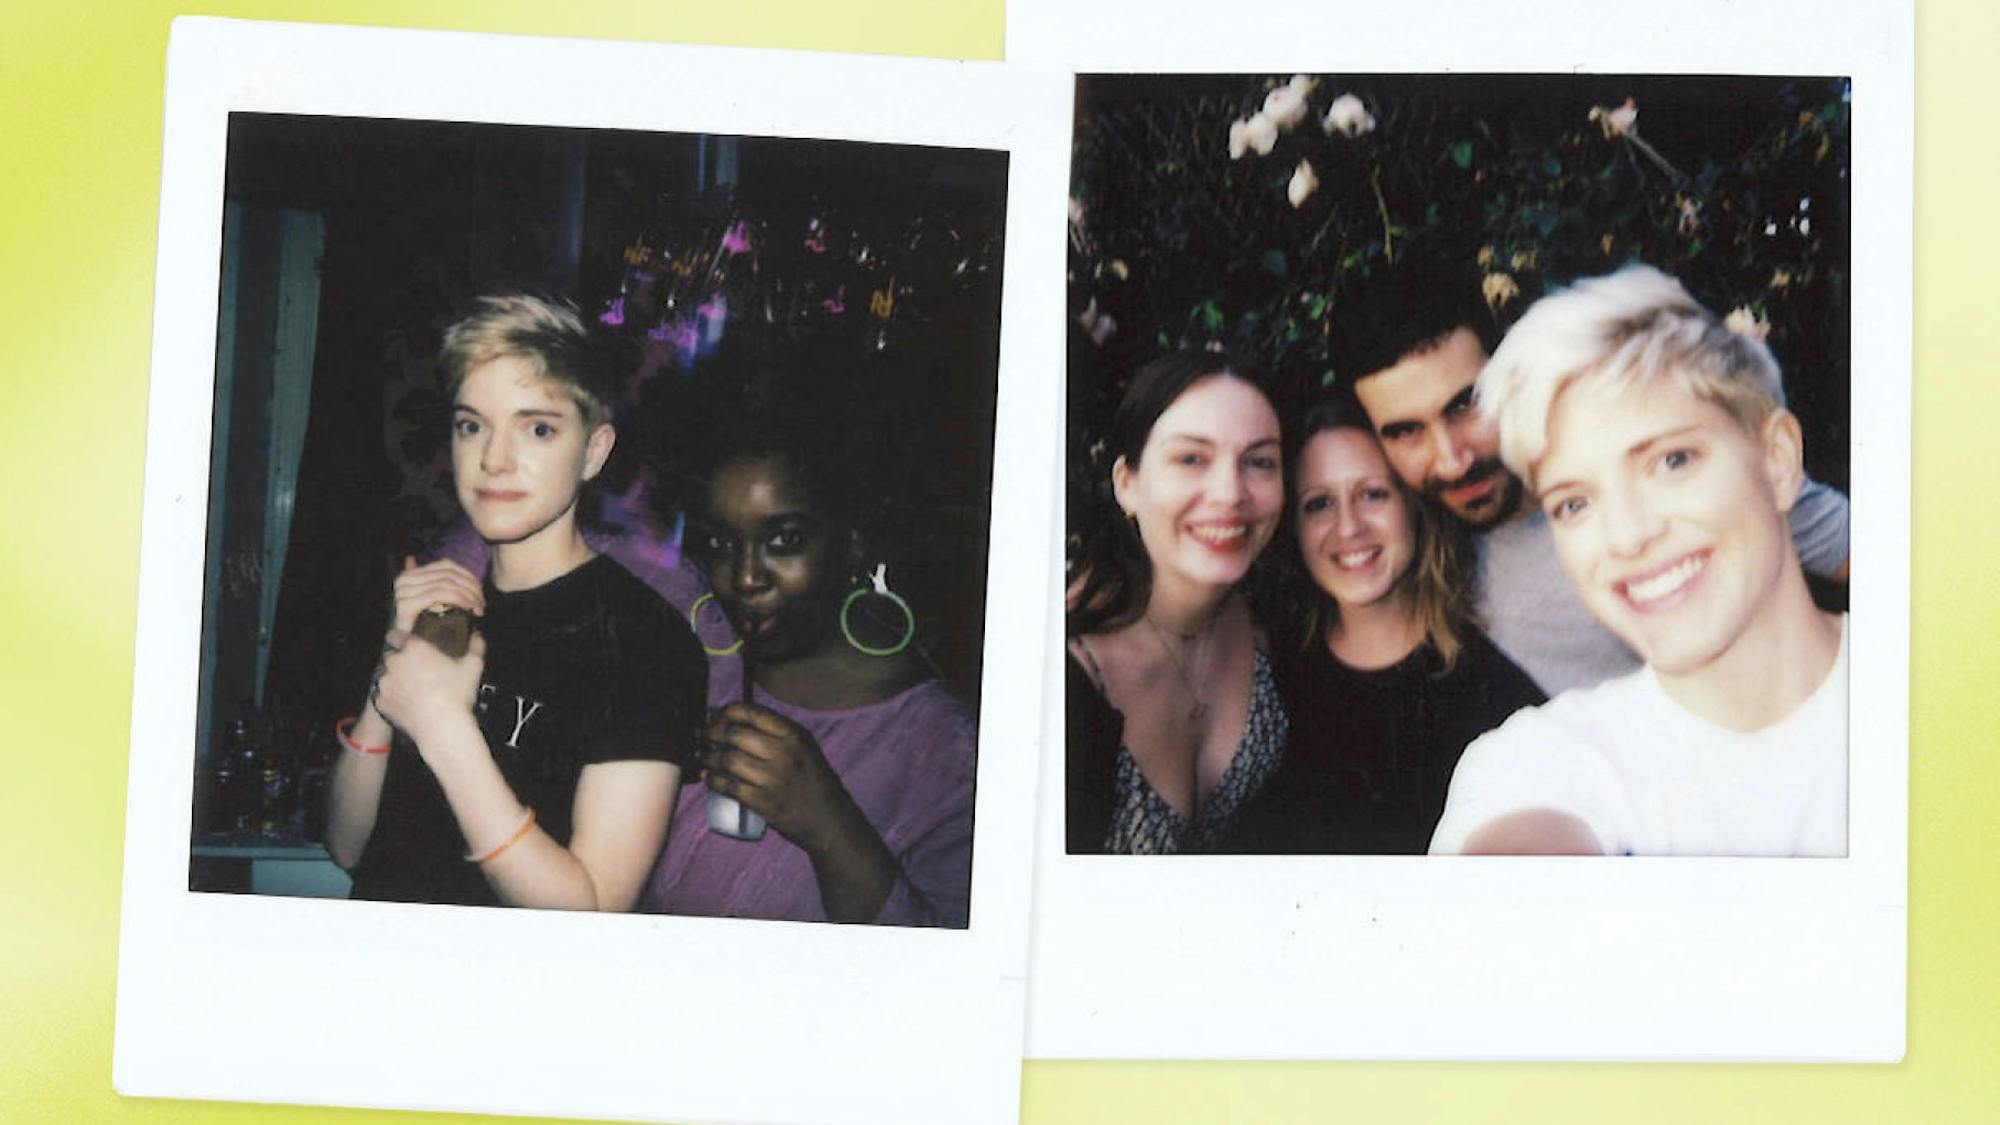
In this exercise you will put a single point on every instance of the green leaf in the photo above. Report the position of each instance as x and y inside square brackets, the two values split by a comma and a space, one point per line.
[1274, 261]
[1460, 153]
[1209, 315]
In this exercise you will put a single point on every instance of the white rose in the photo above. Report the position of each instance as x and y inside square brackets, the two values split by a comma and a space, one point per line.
[1303, 184]
[1348, 117]
[1616, 122]
[1239, 139]
[1286, 105]
[1103, 330]
[1261, 133]
[1744, 322]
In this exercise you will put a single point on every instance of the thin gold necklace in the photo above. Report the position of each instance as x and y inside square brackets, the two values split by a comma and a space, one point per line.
[1180, 666]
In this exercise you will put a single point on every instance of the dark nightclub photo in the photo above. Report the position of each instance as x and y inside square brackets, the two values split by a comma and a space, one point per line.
[598, 520]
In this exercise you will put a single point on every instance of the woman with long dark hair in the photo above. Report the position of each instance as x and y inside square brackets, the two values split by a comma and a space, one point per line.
[1174, 722]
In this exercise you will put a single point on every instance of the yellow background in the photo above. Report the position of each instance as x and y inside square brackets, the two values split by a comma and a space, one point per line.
[81, 89]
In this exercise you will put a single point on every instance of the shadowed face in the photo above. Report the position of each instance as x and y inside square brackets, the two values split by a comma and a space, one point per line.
[776, 560]
[1422, 410]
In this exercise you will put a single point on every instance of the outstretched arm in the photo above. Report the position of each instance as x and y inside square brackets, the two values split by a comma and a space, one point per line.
[1534, 832]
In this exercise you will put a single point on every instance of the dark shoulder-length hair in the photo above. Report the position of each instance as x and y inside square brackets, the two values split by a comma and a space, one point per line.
[1440, 567]
[1109, 576]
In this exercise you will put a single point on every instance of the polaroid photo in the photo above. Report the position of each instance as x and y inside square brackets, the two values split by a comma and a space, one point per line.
[1317, 593]
[701, 392]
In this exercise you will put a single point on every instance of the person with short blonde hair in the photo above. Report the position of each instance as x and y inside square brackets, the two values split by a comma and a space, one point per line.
[1410, 340]
[1625, 328]
[1660, 452]
[550, 337]
[536, 764]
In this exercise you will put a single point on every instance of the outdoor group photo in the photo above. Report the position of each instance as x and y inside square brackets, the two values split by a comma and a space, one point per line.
[1457, 464]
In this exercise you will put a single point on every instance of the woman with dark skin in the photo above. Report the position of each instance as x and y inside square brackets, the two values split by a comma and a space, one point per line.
[861, 764]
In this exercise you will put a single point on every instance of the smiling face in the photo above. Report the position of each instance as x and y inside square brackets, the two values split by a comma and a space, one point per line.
[1422, 409]
[1354, 524]
[774, 559]
[520, 451]
[1669, 516]
[1209, 484]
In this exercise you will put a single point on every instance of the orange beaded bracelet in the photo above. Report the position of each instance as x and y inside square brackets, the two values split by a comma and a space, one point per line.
[527, 822]
[345, 729]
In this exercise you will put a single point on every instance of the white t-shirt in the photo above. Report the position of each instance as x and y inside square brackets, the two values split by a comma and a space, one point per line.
[1651, 778]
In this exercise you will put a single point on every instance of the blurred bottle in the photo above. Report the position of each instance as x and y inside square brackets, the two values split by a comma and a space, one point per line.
[314, 769]
[237, 778]
[274, 798]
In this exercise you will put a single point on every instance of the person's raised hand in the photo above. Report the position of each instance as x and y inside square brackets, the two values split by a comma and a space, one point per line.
[422, 692]
[443, 582]
[776, 769]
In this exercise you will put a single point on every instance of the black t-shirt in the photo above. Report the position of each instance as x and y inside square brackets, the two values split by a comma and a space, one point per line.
[1372, 752]
[591, 667]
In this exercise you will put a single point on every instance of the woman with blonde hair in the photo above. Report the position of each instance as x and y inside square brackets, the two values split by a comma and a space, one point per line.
[1390, 677]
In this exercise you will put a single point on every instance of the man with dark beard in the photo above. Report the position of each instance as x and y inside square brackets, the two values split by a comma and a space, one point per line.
[1411, 341]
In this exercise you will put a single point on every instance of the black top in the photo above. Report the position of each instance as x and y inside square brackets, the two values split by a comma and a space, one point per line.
[591, 667]
[1093, 732]
[1372, 752]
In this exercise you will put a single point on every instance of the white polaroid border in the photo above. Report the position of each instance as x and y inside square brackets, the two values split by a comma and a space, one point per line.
[534, 1012]
[1517, 958]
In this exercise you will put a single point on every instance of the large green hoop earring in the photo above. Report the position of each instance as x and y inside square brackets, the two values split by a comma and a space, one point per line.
[879, 585]
[696, 608]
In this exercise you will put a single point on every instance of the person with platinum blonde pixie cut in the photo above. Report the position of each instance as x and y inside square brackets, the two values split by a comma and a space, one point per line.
[1411, 341]
[1657, 445]
[1631, 326]
[530, 757]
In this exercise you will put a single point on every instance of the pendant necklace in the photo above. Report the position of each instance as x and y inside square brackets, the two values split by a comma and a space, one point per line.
[1200, 708]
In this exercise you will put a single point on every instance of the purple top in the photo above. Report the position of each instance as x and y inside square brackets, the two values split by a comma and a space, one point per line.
[908, 763]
